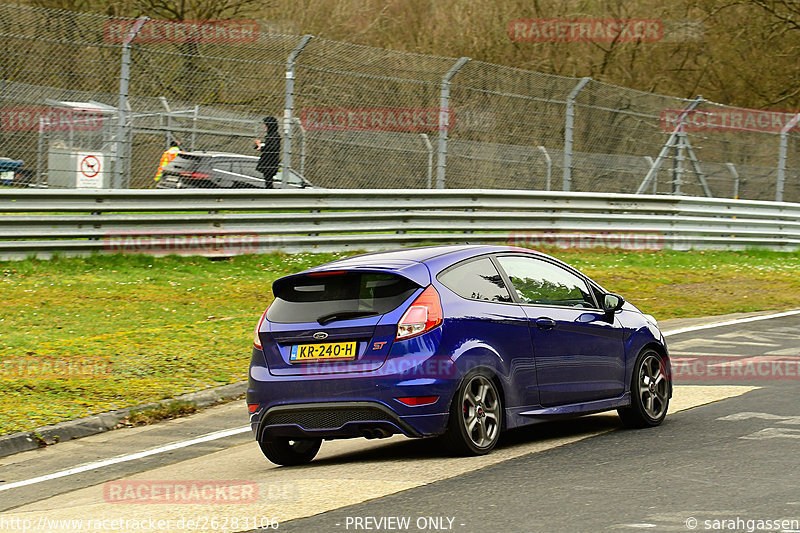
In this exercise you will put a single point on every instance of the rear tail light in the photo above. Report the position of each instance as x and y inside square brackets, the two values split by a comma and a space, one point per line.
[256, 340]
[415, 401]
[423, 315]
[195, 175]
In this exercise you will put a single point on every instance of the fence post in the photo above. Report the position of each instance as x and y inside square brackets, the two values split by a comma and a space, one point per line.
[570, 122]
[40, 154]
[299, 125]
[735, 174]
[650, 164]
[782, 158]
[168, 136]
[288, 109]
[429, 148]
[549, 162]
[122, 118]
[677, 164]
[444, 121]
[672, 142]
[194, 126]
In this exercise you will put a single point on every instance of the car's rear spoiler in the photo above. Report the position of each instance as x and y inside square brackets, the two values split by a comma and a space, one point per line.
[412, 270]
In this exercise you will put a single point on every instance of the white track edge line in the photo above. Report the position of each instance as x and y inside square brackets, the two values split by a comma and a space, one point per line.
[731, 322]
[125, 458]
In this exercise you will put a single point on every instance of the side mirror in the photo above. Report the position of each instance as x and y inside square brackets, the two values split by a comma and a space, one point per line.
[612, 303]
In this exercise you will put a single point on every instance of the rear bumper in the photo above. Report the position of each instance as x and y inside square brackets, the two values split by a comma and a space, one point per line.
[334, 420]
[351, 405]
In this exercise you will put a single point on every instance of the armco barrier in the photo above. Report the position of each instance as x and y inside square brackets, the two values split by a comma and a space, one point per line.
[229, 222]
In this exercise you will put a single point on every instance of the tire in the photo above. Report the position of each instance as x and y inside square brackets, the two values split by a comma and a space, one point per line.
[476, 416]
[650, 390]
[290, 452]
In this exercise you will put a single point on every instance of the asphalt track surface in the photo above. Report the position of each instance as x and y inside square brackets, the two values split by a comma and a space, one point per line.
[725, 458]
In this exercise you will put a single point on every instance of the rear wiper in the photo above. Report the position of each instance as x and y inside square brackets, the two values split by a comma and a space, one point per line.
[344, 315]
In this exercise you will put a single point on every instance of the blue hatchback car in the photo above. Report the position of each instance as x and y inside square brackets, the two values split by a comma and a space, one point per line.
[461, 342]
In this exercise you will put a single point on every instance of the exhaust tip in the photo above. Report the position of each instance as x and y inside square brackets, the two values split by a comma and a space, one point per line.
[376, 433]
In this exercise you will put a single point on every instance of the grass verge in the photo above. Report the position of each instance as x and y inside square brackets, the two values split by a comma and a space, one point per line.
[167, 411]
[81, 336]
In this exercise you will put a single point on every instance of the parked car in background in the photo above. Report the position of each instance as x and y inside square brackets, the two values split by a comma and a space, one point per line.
[220, 170]
[460, 342]
[14, 174]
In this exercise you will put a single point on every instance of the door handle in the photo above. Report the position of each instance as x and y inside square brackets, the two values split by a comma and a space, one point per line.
[545, 323]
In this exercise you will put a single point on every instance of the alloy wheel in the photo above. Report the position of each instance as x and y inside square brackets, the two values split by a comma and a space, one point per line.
[653, 386]
[481, 411]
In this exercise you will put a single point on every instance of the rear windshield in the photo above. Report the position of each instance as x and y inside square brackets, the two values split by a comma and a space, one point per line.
[329, 297]
[189, 157]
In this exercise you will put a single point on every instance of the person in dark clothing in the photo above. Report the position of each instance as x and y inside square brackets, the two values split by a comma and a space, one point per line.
[270, 149]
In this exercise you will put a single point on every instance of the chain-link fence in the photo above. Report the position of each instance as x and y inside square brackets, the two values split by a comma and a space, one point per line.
[93, 101]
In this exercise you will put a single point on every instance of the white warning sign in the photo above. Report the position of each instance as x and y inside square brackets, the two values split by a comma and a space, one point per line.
[90, 170]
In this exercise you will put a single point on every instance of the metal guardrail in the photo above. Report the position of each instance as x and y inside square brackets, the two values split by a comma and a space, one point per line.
[229, 222]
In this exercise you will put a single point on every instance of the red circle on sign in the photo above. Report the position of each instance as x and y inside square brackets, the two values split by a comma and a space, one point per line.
[90, 166]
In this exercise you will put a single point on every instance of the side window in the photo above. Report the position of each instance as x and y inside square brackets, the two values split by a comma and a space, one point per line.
[248, 168]
[540, 282]
[223, 165]
[476, 280]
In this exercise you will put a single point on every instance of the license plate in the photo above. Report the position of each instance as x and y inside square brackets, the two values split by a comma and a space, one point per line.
[316, 352]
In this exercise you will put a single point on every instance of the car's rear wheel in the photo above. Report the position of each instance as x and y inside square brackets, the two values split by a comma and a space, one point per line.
[476, 416]
[650, 386]
[290, 452]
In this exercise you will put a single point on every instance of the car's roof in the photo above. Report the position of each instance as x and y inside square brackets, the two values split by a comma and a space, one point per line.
[418, 254]
[200, 153]
[420, 263]
[404, 257]
[408, 262]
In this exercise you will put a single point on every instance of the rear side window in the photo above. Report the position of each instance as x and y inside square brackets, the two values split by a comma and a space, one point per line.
[543, 283]
[184, 161]
[337, 296]
[224, 166]
[188, 157]
[476, 280]
[248, 168]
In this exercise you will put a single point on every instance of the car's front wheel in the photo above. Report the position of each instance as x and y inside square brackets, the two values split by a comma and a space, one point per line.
[650, 388]
[290, 452]
[476, 416]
